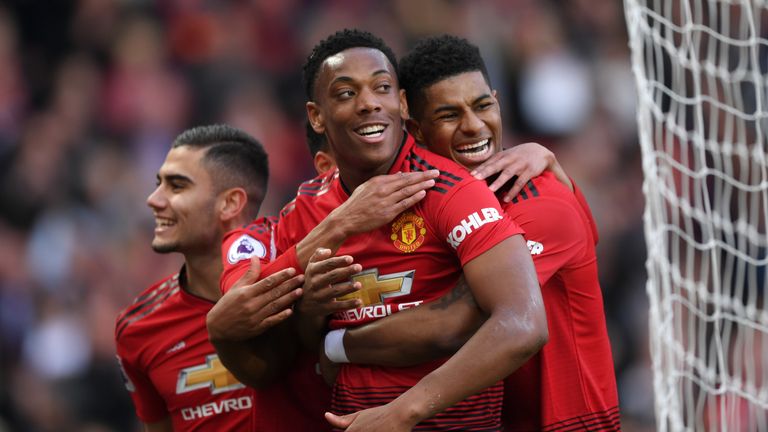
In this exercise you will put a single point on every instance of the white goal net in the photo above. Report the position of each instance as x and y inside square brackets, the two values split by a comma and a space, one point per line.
[701, 68]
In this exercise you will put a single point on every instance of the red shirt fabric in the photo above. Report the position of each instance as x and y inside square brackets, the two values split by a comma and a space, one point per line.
[413, 260]
[297, 402]
[255, 239]
[171, 369]
[570, 384]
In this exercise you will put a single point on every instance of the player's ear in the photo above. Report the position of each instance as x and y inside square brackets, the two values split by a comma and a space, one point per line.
[413, 128]
[315, 117]
[231, 203]
[323, 162]
[403, 105]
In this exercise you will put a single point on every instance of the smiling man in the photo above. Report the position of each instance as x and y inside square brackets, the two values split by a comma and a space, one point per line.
[212, 181]
[354, 99]
[570, 384]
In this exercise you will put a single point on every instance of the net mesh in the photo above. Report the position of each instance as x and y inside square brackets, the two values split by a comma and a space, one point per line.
[701, 68]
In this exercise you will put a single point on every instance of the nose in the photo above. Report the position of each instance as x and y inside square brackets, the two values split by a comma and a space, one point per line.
[368, 101]
[156, 199]
[471, 124]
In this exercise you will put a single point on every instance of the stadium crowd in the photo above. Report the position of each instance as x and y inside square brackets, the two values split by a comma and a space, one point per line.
[93, 92]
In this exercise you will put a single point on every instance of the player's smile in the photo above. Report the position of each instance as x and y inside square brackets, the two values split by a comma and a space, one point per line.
[358, 107]
[163, 224]
[182, 202]
[460, 119]
[371, 132]
[477, 151]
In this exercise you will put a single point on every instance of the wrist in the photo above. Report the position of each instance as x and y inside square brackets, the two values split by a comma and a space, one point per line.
[334, 346]
[409, 409]
[338, 227]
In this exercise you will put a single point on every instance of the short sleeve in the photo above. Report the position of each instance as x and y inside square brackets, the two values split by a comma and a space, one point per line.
[554, 233]
[471, 221]
[240, 246]
[150, 406]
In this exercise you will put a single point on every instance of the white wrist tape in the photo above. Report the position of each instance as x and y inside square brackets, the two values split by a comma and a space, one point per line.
[334, 346]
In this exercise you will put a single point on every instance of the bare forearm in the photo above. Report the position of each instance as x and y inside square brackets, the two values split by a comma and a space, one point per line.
[515, 330]
[328, 234]
[495, 351]
[417, 335]
[259, 361]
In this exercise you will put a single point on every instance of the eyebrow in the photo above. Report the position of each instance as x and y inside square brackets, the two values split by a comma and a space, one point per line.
[443, 108]
[175, 177]
[347, 79]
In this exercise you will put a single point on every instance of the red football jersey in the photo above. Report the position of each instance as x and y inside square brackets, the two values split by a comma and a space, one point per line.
[171, 369]
[297, 402]
[240, 245]
[570, 384]
[415, 259]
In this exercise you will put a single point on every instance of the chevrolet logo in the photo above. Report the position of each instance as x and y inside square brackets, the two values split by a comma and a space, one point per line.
[376, 288]
[212, 375]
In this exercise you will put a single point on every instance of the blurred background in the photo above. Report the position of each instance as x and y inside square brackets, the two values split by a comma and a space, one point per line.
[92, 92]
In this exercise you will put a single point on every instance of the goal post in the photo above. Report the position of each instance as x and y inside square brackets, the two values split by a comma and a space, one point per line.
[701, 69]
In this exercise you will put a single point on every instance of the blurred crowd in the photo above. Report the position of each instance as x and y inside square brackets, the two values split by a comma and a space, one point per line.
[92, 92]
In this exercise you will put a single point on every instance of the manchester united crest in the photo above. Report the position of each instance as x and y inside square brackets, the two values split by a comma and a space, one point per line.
[408, 232]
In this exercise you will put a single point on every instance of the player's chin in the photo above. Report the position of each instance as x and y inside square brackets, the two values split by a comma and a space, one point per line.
[161, 246]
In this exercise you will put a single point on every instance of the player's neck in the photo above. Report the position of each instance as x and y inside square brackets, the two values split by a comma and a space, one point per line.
[203, 273]
[352, 177]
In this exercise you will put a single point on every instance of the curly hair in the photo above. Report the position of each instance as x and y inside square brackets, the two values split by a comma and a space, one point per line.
[434, 59]
[336, 43]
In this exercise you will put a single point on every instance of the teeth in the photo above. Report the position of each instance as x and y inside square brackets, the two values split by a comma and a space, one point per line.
[163, 223]
[474, 147]
[371, 130]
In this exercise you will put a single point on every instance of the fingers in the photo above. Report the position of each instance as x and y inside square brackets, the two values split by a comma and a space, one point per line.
[491, 166]
[272, 321]
[415, 181]
[319, 254]
[410, 178]
[409, 202]
[250, 276]
[320, 277]
[343, 305]
[285, 294]
[272, 281]
[340, 421]
[329, 299]
[508, 175]
[324, 264]
[517, 186]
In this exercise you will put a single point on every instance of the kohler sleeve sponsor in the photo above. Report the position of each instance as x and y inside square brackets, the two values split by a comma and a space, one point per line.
[471, 223]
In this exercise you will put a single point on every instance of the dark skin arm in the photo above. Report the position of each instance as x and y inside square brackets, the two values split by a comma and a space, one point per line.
[327, 278]
[515, 330]
[252, 329]
[374, 203]
[413, 336]
[238, 323]
[440, 328]
[443, 327]
[516, 165]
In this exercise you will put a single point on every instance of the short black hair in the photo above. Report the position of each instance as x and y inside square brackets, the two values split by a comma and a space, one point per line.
[434, 59]
[233, 159]
[315, 141]
[336, 43]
